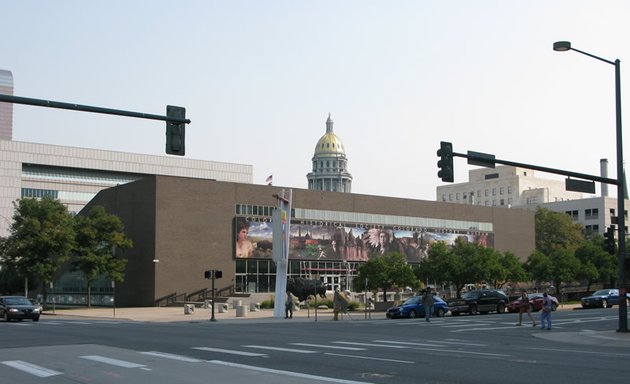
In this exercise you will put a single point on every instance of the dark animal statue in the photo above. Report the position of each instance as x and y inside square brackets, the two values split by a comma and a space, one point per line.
[303, 288]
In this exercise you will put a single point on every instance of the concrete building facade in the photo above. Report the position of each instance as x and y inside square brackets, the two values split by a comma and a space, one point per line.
[505, 186]
[75, 175]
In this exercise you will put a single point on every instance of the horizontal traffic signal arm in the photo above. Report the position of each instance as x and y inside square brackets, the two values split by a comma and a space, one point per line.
[488, 160]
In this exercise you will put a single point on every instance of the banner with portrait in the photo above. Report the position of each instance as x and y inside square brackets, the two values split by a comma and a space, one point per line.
[343, 241]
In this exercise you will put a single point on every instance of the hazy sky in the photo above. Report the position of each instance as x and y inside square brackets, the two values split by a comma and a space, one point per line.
[258, 79]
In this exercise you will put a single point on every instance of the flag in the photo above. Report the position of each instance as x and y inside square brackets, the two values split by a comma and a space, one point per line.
[269, 179]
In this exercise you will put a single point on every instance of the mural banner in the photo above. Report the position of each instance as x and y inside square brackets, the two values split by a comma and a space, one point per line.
[351, 242]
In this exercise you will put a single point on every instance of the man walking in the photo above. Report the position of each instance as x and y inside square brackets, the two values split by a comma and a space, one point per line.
[427, 303]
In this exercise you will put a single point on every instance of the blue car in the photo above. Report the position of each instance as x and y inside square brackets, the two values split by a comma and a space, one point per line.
[412, 308]
[604, 298]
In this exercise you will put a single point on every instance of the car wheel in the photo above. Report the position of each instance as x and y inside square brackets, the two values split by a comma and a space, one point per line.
[605, 304]
[501, 308]
[472, 310]
[412, 314]
[36, 318]
[439, 312]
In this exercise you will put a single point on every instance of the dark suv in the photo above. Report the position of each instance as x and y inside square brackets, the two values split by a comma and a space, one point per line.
[479, 301]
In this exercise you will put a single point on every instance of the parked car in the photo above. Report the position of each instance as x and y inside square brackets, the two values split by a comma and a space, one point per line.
[479, 301]
[604, 298]
[19, 308]
[412, 307]
[535, 299]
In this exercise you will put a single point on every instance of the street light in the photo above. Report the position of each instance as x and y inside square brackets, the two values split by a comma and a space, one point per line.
[563, 46]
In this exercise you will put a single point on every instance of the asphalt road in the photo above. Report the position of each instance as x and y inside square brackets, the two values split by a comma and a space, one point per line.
[465, 349]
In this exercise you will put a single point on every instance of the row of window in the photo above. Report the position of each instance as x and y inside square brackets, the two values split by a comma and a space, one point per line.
[39, 193]
[256, 210]
[339, 166]
[475, 198]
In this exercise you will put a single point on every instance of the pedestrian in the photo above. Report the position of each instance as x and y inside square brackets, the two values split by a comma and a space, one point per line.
[427, 302]
[545, 313]
[524, 306]
[340, 304]
[288, 306]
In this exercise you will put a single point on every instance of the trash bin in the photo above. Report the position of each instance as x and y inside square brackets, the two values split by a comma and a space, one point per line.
[242, 311]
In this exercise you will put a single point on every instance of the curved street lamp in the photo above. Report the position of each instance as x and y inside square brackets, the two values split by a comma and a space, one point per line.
[563, 46]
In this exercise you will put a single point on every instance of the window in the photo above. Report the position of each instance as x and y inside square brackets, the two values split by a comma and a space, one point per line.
[501, 190]
[494, 191]
[573, 215]
[457, 196]
[591, 214]
[509, 189]
[487, 193]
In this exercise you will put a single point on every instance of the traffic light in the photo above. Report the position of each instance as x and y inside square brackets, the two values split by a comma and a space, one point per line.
[213, 274]
[609, 240]
[176, 131]
[446, 162]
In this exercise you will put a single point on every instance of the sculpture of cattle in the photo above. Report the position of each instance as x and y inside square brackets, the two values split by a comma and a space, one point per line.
[303, 288]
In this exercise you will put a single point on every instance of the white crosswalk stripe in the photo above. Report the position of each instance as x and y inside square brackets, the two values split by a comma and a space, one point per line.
[33, 369]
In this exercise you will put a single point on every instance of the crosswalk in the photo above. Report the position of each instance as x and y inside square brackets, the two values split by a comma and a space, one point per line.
[90, 361]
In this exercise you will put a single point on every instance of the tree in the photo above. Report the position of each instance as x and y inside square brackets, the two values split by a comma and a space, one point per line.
[555, 230]
[40, 240]
[560, 266]
[512, 270]
[98, 236]
[597, 263]
[385, 272]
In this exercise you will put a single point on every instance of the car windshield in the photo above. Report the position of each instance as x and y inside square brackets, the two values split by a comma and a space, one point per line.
[412, 300]
[601, 292]
[17, 301]
[471, 295]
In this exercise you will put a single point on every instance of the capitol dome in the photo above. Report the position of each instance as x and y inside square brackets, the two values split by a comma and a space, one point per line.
[330, 164]
[329, 143]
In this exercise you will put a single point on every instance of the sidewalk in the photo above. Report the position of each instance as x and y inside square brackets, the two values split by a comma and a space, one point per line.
[176, 314]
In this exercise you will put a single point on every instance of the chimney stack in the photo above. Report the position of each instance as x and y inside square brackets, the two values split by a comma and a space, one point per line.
[603, 169]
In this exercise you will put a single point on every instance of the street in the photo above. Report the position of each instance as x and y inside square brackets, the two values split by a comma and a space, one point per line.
[462, 349]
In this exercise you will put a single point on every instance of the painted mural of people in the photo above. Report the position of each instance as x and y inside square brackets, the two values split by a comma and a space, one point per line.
[244, 246]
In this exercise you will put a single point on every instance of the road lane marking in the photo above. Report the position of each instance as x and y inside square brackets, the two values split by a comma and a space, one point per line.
[370, 344]
[171, 356]
[287, 373]
[33, 369]
[329, 346]
[482, 329]
[230, 351]
[110, 361]
[370, 358]
[280, 349]
[407, 343]
[584, 352]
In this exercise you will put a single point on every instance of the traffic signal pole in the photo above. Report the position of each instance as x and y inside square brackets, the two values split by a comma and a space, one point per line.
[175, 117]
[489, 160]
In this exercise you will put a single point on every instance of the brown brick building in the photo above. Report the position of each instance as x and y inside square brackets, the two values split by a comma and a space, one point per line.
[183, 226]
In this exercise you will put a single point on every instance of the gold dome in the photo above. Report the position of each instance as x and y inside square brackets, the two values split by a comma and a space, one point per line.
[329, 143]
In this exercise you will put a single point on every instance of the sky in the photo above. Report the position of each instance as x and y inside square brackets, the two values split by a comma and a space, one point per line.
[259, 78]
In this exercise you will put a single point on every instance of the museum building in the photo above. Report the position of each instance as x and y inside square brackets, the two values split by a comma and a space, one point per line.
[181, 227]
